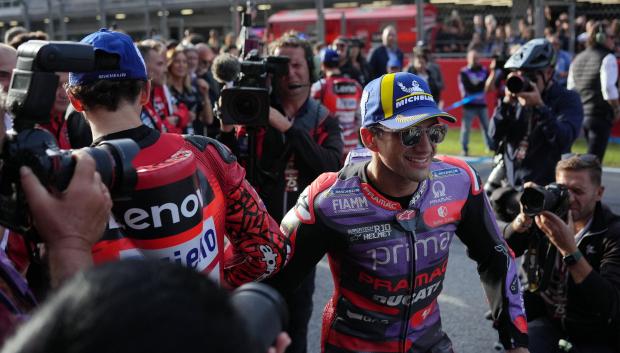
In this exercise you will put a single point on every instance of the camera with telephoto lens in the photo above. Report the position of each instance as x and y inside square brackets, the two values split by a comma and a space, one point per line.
[30, 98]
[263, 311]
[553, 198]
[517, 84]
[247, 102]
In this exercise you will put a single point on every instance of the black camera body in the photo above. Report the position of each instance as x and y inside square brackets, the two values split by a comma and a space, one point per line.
[553, 198]
[30, 99]
[540, 259]
[247, 102]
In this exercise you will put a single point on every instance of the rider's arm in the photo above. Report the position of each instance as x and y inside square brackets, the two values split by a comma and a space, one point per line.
[496, 266]
[258, 247]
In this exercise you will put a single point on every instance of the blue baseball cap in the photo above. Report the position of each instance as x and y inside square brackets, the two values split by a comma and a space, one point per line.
[330, 56]
[131, 65]
[399, 100]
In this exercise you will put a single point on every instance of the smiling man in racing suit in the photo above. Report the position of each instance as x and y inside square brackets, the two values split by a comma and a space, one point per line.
[387, 224]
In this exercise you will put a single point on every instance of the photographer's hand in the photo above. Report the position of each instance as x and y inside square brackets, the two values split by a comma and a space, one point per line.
[522, 223]
[530, 98]
[562, 235]
[282, 342]
[279, 121]
[71, 222]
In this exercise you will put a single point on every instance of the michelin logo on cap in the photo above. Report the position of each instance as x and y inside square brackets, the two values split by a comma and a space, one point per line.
[415, 87]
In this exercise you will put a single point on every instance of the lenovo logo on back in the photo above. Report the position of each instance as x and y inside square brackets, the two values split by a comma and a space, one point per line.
[154, 216]
[165, 210]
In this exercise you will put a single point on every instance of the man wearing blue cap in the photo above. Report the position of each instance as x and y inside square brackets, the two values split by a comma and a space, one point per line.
[189, 193]
[341, 95]
[387, 224]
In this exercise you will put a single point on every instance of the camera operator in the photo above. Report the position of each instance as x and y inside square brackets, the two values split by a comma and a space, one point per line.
[190, 192]
[578, 298]
[69, 224]
[148, 306]
[537, 120]
[302, 140]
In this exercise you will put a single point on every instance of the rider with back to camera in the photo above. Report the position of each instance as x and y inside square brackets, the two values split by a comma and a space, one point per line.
[190, 191]
[386, 226]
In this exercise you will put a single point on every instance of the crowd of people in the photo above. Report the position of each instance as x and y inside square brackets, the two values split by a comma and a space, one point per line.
[344, 166]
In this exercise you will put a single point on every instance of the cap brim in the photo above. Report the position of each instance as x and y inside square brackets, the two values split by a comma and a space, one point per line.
[416, 116]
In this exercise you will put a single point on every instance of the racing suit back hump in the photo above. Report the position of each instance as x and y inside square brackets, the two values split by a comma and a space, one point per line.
[187, 198]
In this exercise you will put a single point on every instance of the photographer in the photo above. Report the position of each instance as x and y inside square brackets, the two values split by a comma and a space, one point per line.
[189, 191]
[69, 224]
[302, 141]
[577, 296]
[537, 120]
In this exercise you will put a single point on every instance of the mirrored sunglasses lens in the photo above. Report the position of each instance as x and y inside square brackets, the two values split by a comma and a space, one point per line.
[411, 137]
[437, 133]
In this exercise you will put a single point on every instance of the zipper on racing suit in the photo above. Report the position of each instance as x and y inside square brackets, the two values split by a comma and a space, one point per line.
[411, 237]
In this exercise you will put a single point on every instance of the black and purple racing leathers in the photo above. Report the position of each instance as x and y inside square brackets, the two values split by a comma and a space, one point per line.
[389, 263]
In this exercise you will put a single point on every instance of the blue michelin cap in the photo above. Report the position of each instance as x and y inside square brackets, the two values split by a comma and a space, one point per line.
[329, 56]
[399, 100]
[131, 66]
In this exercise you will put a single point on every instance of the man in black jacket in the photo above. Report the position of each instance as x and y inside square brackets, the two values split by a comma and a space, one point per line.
[534, 127]
[382, 54]
[302, 141]
[573, 269]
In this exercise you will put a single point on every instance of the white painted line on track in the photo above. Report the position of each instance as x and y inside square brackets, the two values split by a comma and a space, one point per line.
[443, 298]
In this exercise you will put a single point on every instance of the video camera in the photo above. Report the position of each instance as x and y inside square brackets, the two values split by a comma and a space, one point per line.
[30, 99]
[247, 101]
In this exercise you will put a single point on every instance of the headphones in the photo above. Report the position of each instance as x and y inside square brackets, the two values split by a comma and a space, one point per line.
[600, 37]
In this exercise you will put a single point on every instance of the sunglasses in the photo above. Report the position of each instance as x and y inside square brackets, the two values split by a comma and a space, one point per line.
[412, 136]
